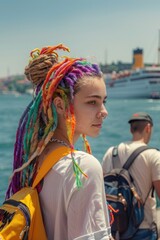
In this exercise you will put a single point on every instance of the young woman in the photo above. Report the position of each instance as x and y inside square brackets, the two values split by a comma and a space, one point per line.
[69, 102]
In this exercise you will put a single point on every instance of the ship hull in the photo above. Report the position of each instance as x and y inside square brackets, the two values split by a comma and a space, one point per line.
[143, 84]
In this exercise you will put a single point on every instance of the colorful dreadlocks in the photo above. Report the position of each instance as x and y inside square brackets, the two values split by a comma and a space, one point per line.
[50, 77]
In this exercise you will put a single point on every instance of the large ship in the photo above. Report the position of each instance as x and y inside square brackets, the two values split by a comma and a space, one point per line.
[140, 82]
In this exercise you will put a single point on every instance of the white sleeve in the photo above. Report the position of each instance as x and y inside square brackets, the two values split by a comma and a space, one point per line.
[154, 158]
[107, 161]
[87, 212]
[100, 235]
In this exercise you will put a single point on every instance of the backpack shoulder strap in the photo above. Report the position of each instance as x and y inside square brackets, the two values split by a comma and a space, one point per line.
[130, 160]
[115, 158]
[133, 156]
[49, 162]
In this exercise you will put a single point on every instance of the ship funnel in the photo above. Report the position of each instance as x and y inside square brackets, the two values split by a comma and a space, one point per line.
[138, 58]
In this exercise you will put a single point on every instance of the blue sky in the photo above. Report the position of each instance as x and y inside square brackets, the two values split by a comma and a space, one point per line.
[103, 30]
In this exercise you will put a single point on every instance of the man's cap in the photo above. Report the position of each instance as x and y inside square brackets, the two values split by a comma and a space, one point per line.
[141, 116]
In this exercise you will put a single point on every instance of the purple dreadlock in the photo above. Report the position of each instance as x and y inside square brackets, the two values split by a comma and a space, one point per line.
[37, 124]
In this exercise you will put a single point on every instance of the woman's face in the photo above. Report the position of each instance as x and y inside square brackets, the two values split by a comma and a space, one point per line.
[89, 107]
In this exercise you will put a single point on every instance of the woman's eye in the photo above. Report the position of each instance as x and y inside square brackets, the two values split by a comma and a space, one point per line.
[104, 102]
[92, 102]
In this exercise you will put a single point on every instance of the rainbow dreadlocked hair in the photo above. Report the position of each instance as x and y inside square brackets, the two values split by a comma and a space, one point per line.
[50, 78]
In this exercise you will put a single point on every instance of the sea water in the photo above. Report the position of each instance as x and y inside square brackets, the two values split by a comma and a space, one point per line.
[115, 128]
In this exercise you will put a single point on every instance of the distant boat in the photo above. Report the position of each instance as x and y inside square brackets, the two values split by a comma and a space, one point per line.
[140, 82]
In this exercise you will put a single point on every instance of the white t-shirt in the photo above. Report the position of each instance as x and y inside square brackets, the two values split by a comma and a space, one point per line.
[144, 170]
[70, 213]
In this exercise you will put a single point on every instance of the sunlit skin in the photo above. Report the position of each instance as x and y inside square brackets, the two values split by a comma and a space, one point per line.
[89, 108]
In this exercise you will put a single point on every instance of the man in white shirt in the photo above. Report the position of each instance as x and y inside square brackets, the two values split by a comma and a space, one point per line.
[145, 170]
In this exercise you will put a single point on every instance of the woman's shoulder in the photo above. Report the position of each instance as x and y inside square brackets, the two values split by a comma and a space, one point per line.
[83, 156]
[87, 161]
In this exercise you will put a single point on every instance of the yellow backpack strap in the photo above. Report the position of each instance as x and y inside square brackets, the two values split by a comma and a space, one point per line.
[49, 162]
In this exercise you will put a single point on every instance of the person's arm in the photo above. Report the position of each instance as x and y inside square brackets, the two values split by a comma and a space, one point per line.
[156, 185]
[155, 170]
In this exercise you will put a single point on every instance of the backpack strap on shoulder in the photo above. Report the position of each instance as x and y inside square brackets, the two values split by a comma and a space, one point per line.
[49, 162]
[115, 158]
[133, 156]
[130, 160]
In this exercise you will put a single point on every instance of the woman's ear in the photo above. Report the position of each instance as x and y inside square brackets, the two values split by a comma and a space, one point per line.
[59, 105]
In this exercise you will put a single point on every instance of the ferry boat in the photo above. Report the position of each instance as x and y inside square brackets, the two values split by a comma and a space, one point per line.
[140, 82]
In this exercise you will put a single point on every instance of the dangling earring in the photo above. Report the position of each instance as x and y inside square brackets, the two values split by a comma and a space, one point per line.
[86, 144]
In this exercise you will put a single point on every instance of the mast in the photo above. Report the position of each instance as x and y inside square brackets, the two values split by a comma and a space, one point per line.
[106, 58]
[159, 49]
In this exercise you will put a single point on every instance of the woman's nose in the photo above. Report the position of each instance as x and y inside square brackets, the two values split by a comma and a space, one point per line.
[103, 113]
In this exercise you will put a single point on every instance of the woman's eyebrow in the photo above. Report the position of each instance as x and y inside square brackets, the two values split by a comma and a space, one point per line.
[96, 96]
